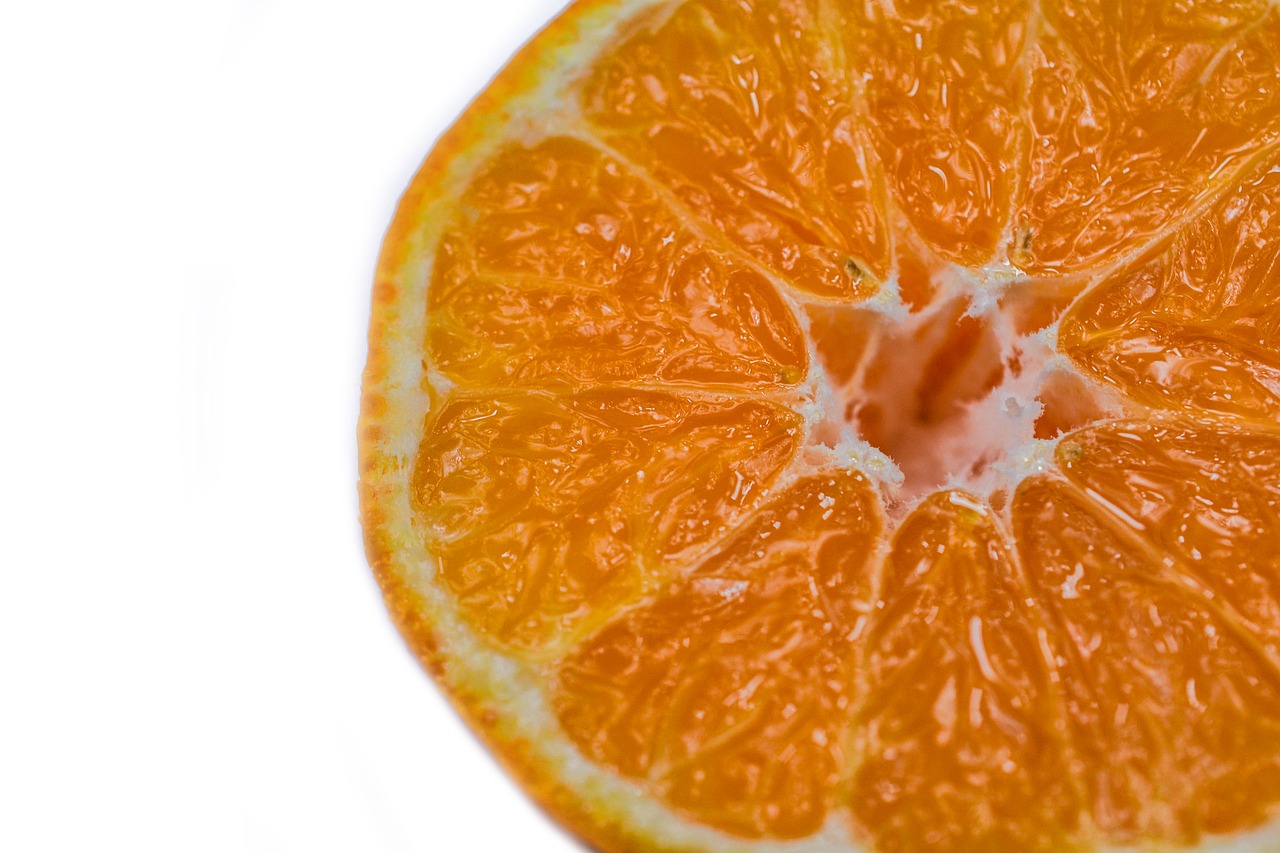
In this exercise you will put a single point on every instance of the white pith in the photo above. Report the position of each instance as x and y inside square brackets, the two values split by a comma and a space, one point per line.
[1003, 420]
[999, 427]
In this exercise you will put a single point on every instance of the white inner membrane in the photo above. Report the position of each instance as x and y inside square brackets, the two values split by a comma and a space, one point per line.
[962, 393]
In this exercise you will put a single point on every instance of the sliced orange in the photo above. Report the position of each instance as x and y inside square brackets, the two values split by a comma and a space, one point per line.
[834, 425]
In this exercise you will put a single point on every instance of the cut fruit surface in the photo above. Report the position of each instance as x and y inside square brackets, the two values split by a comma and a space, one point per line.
[731, 690]
[745, 112]
[818, 425]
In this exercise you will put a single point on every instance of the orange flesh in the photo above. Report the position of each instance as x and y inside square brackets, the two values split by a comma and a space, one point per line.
[755, 134]
[623, 486]
[943, 89]
[731, 691]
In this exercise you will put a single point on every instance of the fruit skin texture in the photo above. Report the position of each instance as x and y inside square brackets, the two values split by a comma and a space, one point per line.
[404, 266]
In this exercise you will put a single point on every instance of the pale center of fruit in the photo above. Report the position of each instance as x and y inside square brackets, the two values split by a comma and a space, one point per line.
[956, 398]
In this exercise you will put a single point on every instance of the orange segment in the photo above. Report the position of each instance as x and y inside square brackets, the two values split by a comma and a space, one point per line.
[961, 745]
[543, 512]
[1198, 325]
[943, 86]
[1205, 498]
[754, 132]
[1172, 713]
[622, 290]
[731, 693]
[1139, 111]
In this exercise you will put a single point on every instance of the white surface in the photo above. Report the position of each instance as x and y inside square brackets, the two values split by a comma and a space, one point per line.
[193, 655]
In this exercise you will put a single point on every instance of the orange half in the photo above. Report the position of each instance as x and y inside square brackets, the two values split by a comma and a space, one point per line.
[851, 425]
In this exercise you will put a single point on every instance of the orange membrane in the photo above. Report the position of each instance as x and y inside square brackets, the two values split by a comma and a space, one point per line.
[867, 415]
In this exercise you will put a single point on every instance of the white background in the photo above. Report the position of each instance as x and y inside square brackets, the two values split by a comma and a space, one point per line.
[193, 655]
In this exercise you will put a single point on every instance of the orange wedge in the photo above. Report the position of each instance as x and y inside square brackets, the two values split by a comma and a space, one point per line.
[851, 425]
